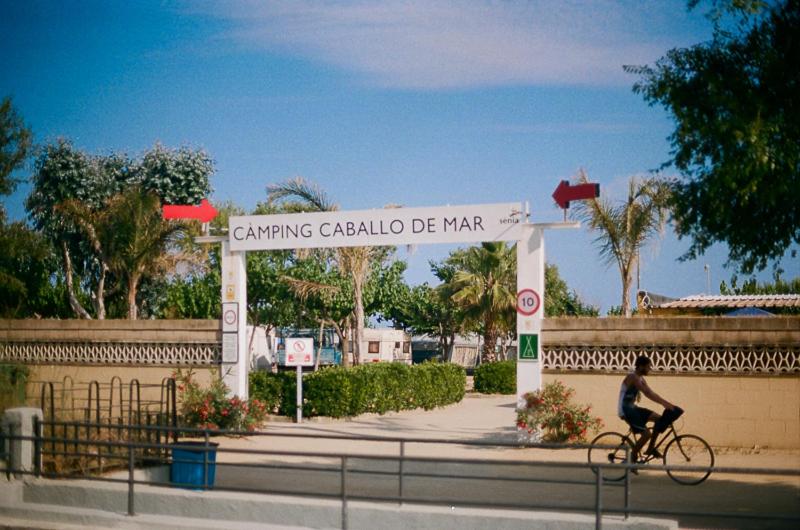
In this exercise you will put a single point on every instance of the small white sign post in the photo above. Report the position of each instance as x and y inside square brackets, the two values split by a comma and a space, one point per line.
[299, 353]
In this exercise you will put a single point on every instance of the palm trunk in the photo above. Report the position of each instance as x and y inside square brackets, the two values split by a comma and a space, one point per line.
[133, 280]
[73, 299]
[626, 288]
[489, 343]
[319, 343]
[99, 296]
[359, 316]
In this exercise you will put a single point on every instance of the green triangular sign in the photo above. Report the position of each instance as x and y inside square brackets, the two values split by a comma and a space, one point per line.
[529, 347]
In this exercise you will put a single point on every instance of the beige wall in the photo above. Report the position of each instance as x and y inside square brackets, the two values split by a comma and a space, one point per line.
[71, 386]
[730, 411]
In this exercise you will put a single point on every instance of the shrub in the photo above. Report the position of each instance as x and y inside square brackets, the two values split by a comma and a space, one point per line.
[496, 378]
[268, 388]
[13, 378]
[211, 408]
[550, 415]
[381, 387]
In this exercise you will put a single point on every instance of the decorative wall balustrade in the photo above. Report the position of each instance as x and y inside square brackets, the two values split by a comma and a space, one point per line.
[698, 359]
[711, 359]
[112, 353]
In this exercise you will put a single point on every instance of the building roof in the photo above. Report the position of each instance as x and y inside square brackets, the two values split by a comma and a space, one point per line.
[702, 301]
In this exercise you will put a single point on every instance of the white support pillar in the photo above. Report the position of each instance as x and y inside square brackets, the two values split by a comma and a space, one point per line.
[530, 305]
[234, 343]
[530, 310]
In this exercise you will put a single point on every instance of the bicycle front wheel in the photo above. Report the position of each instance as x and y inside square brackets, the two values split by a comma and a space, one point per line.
[615, 447]
[688, 450]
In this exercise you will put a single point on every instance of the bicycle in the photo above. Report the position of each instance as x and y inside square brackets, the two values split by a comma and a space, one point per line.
[680, 450]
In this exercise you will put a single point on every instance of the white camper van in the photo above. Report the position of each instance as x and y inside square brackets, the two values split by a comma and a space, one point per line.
[385, 345]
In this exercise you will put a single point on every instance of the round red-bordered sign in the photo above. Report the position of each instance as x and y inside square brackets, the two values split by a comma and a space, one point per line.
[528, 302]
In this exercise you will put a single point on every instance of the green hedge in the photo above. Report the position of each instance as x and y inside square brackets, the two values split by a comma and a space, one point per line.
[12, 385]
[496, 378]
[340, 392]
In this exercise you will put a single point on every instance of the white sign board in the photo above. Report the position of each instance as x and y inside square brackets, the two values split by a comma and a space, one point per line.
[389, 226]
[230, 317]
[230, 347]
[300, 352]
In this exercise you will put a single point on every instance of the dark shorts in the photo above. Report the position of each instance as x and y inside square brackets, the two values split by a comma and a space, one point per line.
[636, 417]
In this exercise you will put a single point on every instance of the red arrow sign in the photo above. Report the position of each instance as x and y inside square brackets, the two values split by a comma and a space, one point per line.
[204, 212]
[565, 192]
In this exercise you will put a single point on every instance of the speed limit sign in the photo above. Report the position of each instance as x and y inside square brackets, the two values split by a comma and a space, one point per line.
[528, 302]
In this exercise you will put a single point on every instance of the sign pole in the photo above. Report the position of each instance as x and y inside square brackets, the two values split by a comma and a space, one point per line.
[299, 353]
[299, 394]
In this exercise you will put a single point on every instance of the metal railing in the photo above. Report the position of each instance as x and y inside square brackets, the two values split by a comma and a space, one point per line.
[394, 476]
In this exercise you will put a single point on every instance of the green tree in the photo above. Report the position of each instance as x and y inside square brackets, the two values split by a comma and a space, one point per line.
[74, 196]
[425, 310]
[131, 237]
[484, 287]
[736, 104]
[623, 229]
[28, 285]
[15, 145]
[63, 173]
[752, 286]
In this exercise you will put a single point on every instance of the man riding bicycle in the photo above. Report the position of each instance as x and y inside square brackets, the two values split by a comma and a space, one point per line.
[637, 417]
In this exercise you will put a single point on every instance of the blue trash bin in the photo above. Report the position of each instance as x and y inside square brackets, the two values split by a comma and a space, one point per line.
[190, 467]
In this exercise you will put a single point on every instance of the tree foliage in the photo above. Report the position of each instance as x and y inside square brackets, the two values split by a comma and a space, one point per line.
[15, 145]
[736, 105]
[109, 236]
[752, 286]
[484, 287]
[28, 281]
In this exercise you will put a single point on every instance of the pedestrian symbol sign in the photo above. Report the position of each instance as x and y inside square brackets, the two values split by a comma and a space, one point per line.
[529, 347]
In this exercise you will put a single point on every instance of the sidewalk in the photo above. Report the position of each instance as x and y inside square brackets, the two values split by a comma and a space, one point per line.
[478, 417]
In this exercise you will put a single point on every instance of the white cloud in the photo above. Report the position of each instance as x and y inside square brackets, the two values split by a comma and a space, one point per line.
[450, 44]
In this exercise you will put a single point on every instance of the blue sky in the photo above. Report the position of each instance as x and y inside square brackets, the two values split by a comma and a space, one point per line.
[418, 103]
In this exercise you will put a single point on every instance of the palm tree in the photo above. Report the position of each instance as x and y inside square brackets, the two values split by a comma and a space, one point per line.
[353, 262]
[129, 235]
[625, 228]
[484, 287]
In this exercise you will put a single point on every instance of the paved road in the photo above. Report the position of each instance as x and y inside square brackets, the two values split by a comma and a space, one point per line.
[490, 419]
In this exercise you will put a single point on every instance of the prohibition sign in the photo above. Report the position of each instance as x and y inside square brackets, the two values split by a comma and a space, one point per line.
[528, 302]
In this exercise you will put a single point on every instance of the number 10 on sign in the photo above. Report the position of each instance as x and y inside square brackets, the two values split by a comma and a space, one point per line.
[528, 302]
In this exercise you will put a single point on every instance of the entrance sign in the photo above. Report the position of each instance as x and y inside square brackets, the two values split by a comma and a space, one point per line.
[300, 352]
[528, 302]
[389, 227]
[529, 347]
[385, 227]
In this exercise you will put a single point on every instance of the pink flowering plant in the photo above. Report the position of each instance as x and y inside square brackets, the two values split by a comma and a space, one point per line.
[550, 415]
[211, 408]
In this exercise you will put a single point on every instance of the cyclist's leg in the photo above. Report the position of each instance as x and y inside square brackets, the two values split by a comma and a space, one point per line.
[651, 449]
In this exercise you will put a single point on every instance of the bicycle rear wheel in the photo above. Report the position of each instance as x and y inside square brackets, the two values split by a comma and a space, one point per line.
[615, 448]
[689, 450]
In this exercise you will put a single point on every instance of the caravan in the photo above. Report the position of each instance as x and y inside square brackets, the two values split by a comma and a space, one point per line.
[385, 345]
